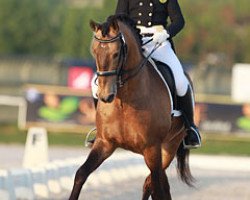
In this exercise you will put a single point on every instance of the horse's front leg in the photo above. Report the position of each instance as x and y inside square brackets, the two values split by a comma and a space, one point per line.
[152, 156]
[101, 150]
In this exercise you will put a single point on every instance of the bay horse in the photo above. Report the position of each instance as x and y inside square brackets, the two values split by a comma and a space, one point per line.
[134, 110]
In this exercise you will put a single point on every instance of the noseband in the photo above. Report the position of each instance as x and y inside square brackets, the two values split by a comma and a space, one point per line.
[122, 57]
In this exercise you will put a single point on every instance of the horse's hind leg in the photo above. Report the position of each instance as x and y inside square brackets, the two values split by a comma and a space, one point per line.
[147, 187]
[166, 186]
[167, 157]
[100, 151]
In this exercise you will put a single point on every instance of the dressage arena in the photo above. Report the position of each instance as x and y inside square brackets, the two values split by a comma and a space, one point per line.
[120, 177]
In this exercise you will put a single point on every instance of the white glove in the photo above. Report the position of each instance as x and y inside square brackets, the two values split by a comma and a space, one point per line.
[160, 36]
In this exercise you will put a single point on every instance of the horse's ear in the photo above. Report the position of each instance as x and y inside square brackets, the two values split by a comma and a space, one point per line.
[94, 26]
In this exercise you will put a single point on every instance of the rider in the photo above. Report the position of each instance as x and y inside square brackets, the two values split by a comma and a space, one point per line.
[151, 18]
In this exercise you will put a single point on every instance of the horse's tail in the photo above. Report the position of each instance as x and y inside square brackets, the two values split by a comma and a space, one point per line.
[183, 165]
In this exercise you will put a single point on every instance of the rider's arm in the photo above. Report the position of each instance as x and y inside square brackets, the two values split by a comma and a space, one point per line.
[176, 18]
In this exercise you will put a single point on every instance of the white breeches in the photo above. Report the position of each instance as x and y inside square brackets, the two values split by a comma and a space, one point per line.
[166, 55]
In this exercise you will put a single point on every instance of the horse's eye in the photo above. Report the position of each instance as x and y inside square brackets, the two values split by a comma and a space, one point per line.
[115, 55]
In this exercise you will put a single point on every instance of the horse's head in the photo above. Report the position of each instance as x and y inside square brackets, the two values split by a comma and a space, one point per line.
[109, 50]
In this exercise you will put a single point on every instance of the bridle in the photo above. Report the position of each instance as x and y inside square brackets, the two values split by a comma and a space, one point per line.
[121, 60]
[120, 71]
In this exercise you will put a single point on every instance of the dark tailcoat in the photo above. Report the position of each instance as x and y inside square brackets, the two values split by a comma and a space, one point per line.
[153, 12]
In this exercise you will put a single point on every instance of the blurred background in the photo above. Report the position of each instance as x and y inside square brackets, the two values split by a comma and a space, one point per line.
[46, 68]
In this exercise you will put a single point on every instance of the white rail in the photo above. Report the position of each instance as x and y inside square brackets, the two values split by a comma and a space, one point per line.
[55, 179]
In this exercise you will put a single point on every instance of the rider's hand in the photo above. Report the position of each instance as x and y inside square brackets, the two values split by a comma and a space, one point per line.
[160, 36]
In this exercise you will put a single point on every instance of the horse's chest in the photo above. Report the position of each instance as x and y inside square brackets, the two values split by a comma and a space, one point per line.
[126, 125]
[130, 128]
[124, 118]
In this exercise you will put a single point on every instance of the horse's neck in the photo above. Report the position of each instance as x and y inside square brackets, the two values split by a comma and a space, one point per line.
[133, 49]
[134, 56]
[137, 85]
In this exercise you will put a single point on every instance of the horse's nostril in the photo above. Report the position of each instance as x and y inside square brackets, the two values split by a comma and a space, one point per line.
[110, 98]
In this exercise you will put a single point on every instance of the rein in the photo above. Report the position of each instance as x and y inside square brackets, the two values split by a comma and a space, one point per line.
[120, 71]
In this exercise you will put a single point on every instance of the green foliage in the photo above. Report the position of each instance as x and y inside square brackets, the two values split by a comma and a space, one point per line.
[215, 26]
[76, 33]
[55, 27]
[224, 144]
[29, 26]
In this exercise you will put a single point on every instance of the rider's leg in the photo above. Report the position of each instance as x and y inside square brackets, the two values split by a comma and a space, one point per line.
[166, 55]
[91, 141]
[94, 88]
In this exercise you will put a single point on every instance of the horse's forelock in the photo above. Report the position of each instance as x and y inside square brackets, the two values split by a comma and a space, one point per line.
[106, 26]
[105, 29]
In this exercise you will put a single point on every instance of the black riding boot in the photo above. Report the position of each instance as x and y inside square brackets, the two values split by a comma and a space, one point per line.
[91, 141]
[186, 105]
